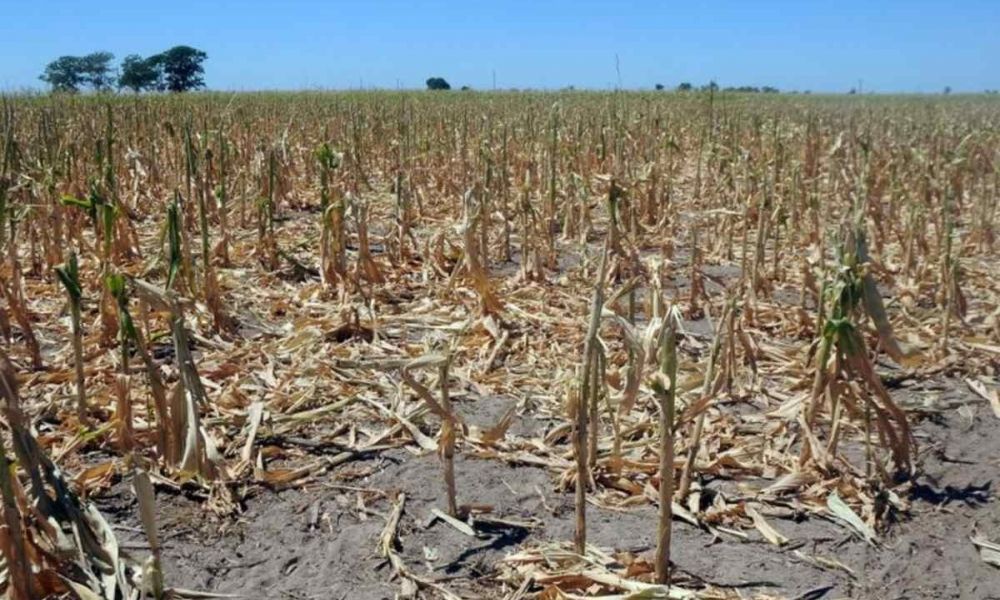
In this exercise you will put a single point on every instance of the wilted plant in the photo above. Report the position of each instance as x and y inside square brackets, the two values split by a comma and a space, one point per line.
[449, 431]
[590, 378]
[842, 347]
[13, 296]
[222, 197]
[175, 260]
[88, 558]
[722, 349]
[473, 266]
[69, 276]
[267, 245]
[332, 244]
[127, 336]
[665, 387]
[152, 576]
[451, 426]
[193, 453]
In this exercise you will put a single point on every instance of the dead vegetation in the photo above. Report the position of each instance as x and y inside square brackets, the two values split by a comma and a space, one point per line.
[704, 301]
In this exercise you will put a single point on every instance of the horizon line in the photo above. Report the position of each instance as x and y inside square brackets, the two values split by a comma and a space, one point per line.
[36, 91]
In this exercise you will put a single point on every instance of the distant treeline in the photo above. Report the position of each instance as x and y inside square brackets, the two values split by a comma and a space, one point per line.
[178, 69]
[711, 86]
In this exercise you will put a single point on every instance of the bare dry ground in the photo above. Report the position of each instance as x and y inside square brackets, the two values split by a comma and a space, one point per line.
[316, 542]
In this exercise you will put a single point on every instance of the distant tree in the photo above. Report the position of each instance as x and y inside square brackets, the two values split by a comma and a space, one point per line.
[769, 90]
[659, 87]
[182, 70]
[685, 87]
[138, 73]
[947, 90]
[96, 68]
[711, 86]
[65, 74]
[466, 88]
[70, 73]
[853, 91]
[437, 83]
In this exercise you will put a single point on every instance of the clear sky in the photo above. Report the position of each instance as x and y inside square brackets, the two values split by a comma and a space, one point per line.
[889, 45]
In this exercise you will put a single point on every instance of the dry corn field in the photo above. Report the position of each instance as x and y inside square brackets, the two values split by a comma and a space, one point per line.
[499, 345]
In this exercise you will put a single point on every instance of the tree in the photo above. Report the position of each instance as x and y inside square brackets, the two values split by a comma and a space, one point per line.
[182, 68]
[684, 87]
[96, 68]
[70, 73]
[140, 73]
[64, 74]
[711, 86]
[659, 87]
[438, 83]
[947, 90]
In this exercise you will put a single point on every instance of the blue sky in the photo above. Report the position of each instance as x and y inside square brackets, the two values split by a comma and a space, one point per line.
[899, 46]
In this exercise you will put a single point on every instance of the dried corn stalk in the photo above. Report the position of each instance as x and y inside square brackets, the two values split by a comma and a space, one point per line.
[58, 529]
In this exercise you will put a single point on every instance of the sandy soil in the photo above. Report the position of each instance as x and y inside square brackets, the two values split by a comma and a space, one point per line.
[320, 541]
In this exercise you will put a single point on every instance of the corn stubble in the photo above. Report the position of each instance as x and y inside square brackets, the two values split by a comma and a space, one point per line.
[212, 290]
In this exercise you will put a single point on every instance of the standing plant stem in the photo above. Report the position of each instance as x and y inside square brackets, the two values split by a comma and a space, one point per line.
[448, 439]
[144, 493]
[19, 575]
[665, 388]
[708, 389]
[222, 197]
[450, 423]
[593, 401]
[587, 394]
[69, 275]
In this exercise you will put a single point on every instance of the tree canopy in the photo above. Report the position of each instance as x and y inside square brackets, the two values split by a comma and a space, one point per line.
[178, 69]
[438, 83]
[70, 73]
[64, 74]
[182, 68]
[97, 70]
[138, 73]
